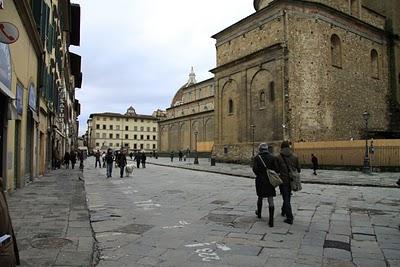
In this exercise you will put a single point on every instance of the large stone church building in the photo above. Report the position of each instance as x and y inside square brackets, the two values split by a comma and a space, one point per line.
[296, 70]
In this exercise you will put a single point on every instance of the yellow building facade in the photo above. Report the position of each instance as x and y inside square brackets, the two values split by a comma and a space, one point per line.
[19, 119]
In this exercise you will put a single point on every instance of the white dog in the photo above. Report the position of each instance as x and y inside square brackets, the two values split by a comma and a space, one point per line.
[129, 169]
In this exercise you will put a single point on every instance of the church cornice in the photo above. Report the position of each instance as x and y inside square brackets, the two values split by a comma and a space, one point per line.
[273, 11]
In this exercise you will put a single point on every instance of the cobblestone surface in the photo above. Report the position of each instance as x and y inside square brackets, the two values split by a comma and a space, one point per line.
[335, 177]
[162, 216]
[51, 221]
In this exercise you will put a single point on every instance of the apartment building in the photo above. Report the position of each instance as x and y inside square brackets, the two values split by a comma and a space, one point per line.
[131, 131]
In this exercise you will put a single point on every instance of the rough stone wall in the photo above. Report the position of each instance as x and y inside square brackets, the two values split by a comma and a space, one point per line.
[373, 18]
[251, 37]
[327, 102]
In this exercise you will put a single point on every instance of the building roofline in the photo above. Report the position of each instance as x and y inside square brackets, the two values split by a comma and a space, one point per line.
[118, 115]
[296, 2]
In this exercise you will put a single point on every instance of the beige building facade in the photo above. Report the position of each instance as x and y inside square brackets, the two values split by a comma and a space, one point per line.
[189, 121]
[131, 131]
[303, 71]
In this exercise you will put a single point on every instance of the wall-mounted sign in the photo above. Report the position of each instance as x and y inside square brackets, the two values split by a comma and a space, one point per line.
[5, 67]
[8, 33]
[20, 99]
[32, 97]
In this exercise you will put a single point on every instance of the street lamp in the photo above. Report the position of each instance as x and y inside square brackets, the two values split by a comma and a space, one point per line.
[366, 167]
[196, 159]
[252, 137]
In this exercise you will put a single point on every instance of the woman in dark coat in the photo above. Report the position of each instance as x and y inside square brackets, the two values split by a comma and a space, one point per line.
[73, 159]
[9, 255]
[67, 158]
[263, 186]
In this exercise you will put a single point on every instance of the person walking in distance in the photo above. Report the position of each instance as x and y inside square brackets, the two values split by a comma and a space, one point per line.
[122, 163]
[9, 255]
[73, 159]
[287, 162]
[143, 158]
[103, 159]
[137, 159]
[171, 155]
[109, 161]
[97, 159]
[67, 158]
[314, 161]
[180, 155]
[264, 189]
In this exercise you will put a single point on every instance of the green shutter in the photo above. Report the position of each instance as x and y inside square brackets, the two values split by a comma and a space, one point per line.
[36, 6]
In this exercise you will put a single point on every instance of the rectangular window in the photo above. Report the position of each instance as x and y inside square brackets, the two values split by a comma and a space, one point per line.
[154, 146]
[117, 127]
[126, 145]
[104, 136]
[111, 119]
[97, 144]
[111, 136]
[154, 129]
[104, 127]
[141, 129]
[97, 135]
[154, 137]
[141, 137]
[117, 136]
[111, 127]
[135, 137]
[148, 146]
[148, 137]
[97, 126]
[104, 119]
[135, 120]
[148, 129]
[126, 136]
[134, 146]
[126, 119]
[141, 146]
[111, 144]
[135, 128]
[142, 120]
[126, 128]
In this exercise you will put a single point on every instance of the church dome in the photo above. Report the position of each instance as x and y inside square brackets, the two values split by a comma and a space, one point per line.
[177, 100]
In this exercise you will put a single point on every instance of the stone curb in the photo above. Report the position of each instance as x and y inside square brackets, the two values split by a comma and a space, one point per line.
[252, 177]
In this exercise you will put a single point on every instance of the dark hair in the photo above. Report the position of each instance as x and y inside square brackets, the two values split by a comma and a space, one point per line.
[285, 144]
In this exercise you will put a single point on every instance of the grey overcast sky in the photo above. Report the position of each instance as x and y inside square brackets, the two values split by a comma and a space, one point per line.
[139, 52]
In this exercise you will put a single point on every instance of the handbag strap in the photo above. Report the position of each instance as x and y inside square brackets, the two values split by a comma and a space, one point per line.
[265, 166]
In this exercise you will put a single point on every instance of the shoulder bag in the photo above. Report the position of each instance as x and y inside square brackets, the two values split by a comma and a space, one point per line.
[273, 177]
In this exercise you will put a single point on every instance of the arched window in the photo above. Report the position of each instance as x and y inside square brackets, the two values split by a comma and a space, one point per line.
[230, 106]
[374, 64]
[262, 99]
[336, 51]
[271, 91]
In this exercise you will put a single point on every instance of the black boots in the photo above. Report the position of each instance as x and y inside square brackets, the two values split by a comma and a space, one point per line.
[259, 207]
[271, 216]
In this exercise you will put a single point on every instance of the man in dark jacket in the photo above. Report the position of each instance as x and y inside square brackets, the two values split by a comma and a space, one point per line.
[97, 159]
[9, 255]
[314, 161]
[73, 158]
[109, 158]
[287, 162]
[122, 163]
[67, 158]
[265, 160]
[143, 158]
[137, 159]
